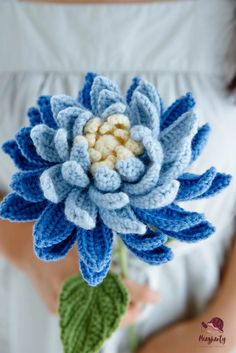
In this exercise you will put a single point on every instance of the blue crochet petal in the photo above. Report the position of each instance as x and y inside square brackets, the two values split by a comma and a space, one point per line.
[130, 169]
[192, 186]
[84, 95]
[58, 251]
[60, 102]
[74, 174]
[115, 108]
[80, 210]
[34, 116]
[12, 149]
[159, 197]
[27, 185]
[148, 241]
[177, 134]
[27, 147]
[61, 144]
[79, 153]
[170, 218]
[95, 246]
[52, 227]
[143, 112]
[99, 84]
[43, 139]
[106, 99]
[66, 119]
[151, 93]
[173, 170]
[53, 185]
[122, 220]
[46, 111]
[154, 152]
[193, 234]
[80, 122]
[220, 182]
[199, 141]
[178, 108]
[108, 200]
[106, 179]
[157, 256]
[134, 84]
[92, 277]
[15, 208]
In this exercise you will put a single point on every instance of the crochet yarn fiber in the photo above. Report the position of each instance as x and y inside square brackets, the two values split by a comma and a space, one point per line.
[106, 164]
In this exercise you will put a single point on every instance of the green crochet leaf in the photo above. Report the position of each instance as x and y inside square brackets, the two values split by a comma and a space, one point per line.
[89, 315]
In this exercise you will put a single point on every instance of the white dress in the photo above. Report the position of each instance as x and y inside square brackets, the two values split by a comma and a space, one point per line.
[180, 47]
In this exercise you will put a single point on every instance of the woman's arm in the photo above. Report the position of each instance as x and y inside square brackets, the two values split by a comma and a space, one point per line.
[183, 337]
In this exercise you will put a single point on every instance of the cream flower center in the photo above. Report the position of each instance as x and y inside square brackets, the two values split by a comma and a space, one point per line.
[109, 141]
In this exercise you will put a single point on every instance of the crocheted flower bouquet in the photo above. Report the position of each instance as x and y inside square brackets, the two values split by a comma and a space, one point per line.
[104, 166]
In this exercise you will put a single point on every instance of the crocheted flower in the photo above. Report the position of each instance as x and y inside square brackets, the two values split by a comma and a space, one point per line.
[104, 164]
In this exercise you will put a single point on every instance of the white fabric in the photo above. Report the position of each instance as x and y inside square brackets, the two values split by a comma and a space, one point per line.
[179, 46]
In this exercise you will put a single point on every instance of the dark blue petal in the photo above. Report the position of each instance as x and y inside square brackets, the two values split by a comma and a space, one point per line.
[179, 107]
[192, 186]
[172, 217]
[199, 141]
[16, 209]
[46, 111]
[194, 234]
[220, 182]
[133, 86]
[90, 276]
[84, 94]
[34, 116]
[95, 246]
[27, 147]
[160, 255]
[27, 185]
[11, 148]
[57, 251]
[52, 227]
[149, 241]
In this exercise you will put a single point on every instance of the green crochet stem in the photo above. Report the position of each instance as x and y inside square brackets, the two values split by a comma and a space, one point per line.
[132, 332]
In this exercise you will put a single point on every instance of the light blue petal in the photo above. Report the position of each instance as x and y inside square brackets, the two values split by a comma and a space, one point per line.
[95, 246]
[179, 107]
[61, 144]
[173, 170]
[130, 169]
[106, 99]
[108, 200]
[116, 108]
[79, 153]
[80, 123]
[159, 197]
[43, 139]
[74, 174]
[80, 210]
[151, 177]
[66, 118]
[55, 188]
[144, 112]
[149, 90]
[99, 84]
[176, 134]
[60, 102]
[122, 220]
[106, 179]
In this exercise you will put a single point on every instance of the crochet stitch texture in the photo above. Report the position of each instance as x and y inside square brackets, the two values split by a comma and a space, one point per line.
[106, 164]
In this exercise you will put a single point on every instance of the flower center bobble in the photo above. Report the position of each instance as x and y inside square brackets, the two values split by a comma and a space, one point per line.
[109, 141]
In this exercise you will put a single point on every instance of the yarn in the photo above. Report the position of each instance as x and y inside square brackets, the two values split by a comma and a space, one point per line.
[104, 164]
